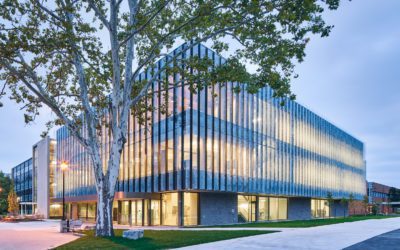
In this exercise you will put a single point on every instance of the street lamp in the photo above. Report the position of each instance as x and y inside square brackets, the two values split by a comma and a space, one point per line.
[64, 167]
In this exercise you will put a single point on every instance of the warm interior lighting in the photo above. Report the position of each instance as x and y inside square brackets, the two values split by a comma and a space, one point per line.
[64, 166]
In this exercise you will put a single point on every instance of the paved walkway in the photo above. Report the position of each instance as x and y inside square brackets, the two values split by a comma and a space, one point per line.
[32, 235]
[337, 236]
[45, 235]
[387, 241]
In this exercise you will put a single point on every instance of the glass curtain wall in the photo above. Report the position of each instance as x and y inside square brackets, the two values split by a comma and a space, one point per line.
[24, 186]
[223, 140]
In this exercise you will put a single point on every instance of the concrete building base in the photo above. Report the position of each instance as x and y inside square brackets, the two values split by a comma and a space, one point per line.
[299, 208]
[218, 208]
[339, 210]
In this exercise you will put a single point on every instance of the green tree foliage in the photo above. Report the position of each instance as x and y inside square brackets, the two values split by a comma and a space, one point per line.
[13, 205]
[81, 59]
[5, 186]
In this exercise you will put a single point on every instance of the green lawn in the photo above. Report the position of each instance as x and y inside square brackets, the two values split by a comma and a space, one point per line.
[309, 223]
[156, 239]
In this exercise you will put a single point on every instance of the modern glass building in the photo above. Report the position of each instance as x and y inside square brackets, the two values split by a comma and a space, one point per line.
[220, 156]
[22, 176]
[34, 181]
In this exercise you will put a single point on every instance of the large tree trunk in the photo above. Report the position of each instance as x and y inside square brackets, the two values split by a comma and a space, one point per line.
[106, 188]
[104, 220]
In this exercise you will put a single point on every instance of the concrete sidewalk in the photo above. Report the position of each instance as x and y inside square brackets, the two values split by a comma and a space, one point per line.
[337, 236]
[32, 235]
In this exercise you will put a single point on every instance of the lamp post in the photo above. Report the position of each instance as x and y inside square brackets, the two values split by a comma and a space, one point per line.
[64, 167]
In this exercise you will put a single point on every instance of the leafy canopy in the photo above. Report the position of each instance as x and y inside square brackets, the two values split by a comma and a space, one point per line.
[48, 49]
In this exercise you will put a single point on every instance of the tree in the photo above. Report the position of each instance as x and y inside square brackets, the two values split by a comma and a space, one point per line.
[13, 205]
[344, 202]
[5, 186]
[365, 203]
[330, 200]
[82, 58]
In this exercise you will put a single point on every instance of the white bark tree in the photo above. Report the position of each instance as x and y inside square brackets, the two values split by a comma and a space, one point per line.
[81, 58]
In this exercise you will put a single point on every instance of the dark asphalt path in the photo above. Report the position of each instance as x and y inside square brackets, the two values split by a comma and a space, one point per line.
[386, 241]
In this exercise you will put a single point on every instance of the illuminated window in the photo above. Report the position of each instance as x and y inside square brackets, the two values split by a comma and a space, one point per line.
[246, 208]
[190, 201]
[263, 208]
[319, 208]
[170, 209]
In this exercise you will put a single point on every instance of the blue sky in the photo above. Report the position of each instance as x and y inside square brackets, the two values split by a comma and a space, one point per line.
[350, 78]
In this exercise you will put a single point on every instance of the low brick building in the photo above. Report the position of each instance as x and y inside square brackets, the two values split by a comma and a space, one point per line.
[357, 207]
[378, 196]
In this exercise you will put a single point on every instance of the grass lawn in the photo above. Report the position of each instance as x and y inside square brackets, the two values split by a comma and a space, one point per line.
[156, 239]
[309, 223]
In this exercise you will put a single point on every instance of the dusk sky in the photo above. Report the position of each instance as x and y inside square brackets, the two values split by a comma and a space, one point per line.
[350, 78]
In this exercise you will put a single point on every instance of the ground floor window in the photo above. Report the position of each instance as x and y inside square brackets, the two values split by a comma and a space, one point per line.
[115, 211]
[55, 210]
[272, 208]
[155, 213]
[169, 209]
[190, 209]
[124, 212]
[319, 208]
[266, 208]
[91, 212]
[137, 212]
[277, 208]
[82, 211]
[246, 208]
[263, 208]
[27, 209]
